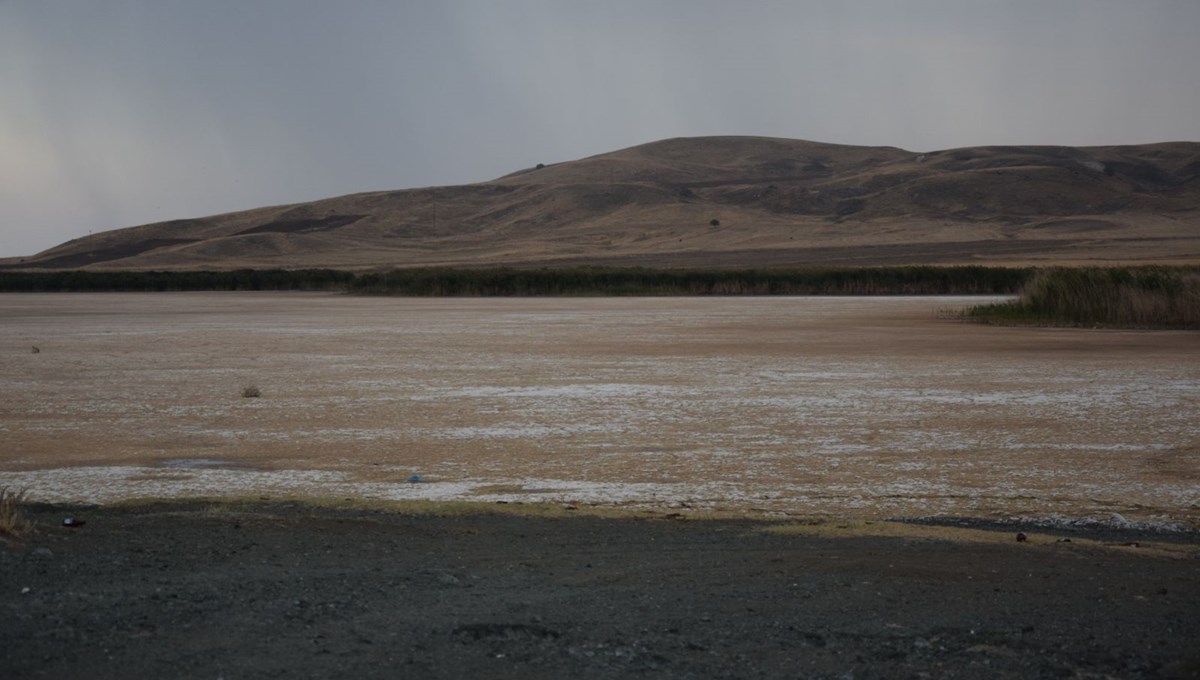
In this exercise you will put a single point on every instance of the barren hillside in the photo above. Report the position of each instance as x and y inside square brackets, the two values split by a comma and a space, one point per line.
[716, 201]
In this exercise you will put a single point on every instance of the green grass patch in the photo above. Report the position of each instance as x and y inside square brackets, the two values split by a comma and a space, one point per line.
[280, 506]
[1117, 297]
[288, 505]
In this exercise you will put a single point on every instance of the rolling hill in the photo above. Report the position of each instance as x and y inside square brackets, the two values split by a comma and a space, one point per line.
[716, 201]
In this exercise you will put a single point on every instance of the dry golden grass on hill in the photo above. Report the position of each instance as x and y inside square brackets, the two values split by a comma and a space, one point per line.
[717, 201]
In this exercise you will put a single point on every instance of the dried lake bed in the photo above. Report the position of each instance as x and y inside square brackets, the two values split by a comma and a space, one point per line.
[863, 406]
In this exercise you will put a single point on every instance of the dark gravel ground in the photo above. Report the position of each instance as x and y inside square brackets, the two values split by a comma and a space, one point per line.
[288, 590]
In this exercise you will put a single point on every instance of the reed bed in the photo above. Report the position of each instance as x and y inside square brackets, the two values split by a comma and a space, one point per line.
[79, 281]
[1143, 297]
[618, 281]
[1119, 297]
[579, 281]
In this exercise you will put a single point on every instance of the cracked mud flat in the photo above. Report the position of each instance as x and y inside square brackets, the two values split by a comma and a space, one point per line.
[870, 407]
[851, 409]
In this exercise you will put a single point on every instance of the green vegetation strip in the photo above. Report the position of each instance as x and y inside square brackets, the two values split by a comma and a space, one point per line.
[574, 281]
[77, 281]
[1125, 297]
[638, 281]
[1119, 297]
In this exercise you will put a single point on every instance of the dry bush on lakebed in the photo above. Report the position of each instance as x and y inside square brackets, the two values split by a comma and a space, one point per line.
[12, 522]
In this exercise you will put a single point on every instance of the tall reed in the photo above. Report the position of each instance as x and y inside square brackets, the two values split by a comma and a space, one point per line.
[912, 280]
[1118, 297]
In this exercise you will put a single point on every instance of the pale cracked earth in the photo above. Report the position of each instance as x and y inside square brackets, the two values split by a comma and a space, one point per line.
[875, 407]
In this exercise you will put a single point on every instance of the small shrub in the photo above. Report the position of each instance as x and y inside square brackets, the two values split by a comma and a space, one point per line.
[714, 222]
[251, 392]
[11, 521]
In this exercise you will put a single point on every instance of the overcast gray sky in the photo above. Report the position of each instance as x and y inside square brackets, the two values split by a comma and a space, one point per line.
[124, 112]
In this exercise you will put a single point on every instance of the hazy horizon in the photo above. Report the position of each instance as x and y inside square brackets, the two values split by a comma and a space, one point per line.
[133, 111]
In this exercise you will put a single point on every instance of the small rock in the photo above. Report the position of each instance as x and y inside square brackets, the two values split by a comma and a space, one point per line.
[25, 590]
[1021, 537]
[36, 350]
[73, 522]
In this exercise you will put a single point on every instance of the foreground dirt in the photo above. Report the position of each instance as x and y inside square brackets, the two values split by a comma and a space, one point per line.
[285, 590]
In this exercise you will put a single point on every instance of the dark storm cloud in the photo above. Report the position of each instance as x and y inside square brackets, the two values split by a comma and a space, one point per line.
[119, 113]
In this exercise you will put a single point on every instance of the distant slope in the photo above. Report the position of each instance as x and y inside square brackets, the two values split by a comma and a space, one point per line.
[717, 201]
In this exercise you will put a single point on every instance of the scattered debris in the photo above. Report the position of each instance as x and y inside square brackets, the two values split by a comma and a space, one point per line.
[505, 631]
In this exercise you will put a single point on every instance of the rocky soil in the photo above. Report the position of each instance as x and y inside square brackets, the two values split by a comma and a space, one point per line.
[288, 590]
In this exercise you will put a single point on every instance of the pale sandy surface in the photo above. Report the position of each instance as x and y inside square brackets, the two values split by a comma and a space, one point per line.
[862, 406]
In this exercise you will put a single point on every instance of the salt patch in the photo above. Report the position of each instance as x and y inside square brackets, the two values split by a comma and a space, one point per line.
[207, 477]
[579, 391]
[201, 463]
[524, 431]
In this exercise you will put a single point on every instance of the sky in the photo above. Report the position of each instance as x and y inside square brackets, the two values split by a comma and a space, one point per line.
[126, 112]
